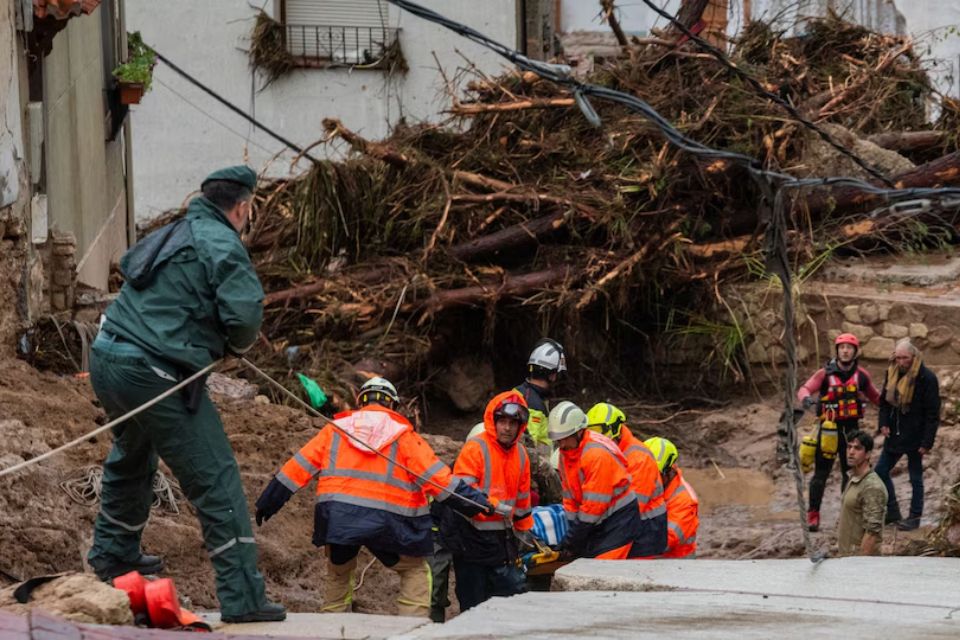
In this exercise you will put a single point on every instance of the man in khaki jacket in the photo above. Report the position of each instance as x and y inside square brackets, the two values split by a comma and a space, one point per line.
[864, 502]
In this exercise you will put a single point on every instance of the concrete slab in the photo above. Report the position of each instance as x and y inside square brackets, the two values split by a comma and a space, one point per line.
[707, 614]
[902, 580]
[324, 626]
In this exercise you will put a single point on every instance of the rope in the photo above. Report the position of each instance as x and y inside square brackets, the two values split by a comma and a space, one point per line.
[352, 437]
[86, 486]
[109, 425]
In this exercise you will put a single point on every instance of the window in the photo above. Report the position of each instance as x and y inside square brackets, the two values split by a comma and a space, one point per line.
[324, 33]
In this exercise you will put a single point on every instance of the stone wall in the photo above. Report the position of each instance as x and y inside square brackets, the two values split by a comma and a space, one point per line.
[877, 318]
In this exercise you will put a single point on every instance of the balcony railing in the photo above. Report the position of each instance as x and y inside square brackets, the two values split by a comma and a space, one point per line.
[332, 46]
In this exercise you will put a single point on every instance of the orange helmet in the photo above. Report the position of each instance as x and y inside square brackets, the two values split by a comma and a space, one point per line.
[847, 338]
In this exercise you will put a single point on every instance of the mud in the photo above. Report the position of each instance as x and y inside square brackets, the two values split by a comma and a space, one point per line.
[749, 508]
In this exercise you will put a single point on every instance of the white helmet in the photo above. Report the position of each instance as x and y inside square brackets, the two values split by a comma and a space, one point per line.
[377, 389]
[564, 420]
[476, 430]
[548, 355]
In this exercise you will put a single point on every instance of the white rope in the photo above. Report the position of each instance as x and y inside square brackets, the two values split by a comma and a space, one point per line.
[109, 425]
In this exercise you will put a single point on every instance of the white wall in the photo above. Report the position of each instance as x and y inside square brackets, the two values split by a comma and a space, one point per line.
[181, 134]
[11, 128]
[634, 16]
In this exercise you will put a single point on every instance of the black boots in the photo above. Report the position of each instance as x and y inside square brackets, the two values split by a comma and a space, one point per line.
[909, 524]
[109, 568]
[269, 612]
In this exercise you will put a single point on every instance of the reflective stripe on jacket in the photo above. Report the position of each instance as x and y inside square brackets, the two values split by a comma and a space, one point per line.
[644, 473]
[596, 490]
[683, 518]
[502, 474]
[363, 498]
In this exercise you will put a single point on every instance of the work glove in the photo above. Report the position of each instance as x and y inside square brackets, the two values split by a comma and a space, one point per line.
[499, 508]
[809, 403]
[271, 500]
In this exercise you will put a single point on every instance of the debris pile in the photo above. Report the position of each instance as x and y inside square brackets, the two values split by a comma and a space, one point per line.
[519, 217]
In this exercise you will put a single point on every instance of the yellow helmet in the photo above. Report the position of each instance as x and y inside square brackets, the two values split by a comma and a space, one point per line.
[664, 451]
[606, 419]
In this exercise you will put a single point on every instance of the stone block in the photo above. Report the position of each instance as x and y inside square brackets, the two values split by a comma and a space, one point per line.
[862, 331]
[756, 353]
[896, 331]
[904, 314]
[832, 335]
[869, 313]
[878, 348]
[939, 336]
[851, 313]
[918, 330]
[63, 277]
[955, 345]
[58, 300]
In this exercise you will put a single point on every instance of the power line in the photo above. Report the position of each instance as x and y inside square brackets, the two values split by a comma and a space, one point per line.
[240, 112]
[722, 58]
[225, 126]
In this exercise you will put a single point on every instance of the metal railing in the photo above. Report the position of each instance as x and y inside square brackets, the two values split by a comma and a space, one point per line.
[328, 45]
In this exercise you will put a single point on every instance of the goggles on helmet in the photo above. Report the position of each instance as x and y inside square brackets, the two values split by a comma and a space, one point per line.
[513, 411]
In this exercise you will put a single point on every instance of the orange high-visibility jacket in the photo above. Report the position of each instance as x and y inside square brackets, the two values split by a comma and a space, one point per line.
[683, 518]
[502, 474]
[596, 490]
[363, 498]
[645, 475]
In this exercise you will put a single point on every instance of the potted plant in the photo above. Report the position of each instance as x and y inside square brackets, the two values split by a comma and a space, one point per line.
[134, 75]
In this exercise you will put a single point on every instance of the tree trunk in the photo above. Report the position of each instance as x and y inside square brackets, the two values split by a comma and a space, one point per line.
[512, 237]
[908, 140]
[511, 285]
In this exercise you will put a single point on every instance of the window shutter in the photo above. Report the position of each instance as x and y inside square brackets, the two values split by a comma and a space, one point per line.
[343, 13]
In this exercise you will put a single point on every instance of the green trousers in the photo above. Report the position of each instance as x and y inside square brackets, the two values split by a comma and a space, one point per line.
[198, 453]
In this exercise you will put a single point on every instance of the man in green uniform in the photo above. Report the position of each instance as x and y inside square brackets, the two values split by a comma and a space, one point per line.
[191, 295]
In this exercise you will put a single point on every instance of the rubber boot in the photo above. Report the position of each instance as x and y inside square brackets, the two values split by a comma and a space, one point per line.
[415, 587]
[813, 520]
[338, 590]
[892, 517]
[909, 524]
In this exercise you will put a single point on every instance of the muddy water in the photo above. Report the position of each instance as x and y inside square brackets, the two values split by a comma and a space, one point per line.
[726, 486]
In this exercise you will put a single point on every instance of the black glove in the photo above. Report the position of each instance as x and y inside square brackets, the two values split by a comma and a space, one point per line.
[192, 394]
[809, 403]
[566, 555]
[271, 500]
[475, 496]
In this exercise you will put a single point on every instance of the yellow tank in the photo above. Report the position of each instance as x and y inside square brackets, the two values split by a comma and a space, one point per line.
[808, 453]
[829, 439]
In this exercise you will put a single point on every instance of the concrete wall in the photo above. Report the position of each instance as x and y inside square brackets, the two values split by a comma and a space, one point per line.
[14, 183]
[635, 17]
[84, 173]
[181, 134]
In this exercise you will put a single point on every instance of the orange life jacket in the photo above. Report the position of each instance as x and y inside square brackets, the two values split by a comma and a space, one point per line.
[683, 518]
[349, 473]
[839, 399]
[645, 474]
[502, 474]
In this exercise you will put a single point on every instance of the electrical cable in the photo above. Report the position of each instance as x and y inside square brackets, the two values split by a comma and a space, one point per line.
[245, 138]
[240, 112]
[722, 58]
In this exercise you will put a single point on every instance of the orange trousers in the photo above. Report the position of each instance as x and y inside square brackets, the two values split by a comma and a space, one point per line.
[620, 553]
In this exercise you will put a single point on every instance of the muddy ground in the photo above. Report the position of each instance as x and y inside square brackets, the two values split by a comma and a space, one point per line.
[748, 504]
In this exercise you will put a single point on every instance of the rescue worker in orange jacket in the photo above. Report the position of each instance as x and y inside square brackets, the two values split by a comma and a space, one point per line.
[485, 548]
[683, 510]
[369, 499]
[645, 475]
[600, 506]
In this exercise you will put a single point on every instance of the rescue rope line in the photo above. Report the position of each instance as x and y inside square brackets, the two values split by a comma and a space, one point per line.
[133, 412]
[352, 437]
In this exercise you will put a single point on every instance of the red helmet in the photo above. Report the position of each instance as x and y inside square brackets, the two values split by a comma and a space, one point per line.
[847, 338]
